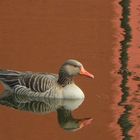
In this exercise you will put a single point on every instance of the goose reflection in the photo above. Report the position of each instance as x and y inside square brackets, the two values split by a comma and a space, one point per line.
[41, 105]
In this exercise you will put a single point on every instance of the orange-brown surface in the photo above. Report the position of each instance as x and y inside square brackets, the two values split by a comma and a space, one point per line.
[40, 36]
[134, 67]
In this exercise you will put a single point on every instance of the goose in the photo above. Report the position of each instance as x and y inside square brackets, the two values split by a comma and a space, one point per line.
[49, 85]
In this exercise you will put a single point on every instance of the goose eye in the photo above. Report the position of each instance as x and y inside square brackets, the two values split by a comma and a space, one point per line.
[75, 66]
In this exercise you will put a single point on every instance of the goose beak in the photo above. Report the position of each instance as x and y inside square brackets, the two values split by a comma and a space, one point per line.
[86, 73]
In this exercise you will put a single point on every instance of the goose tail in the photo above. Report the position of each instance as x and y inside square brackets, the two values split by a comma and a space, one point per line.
[9, 77]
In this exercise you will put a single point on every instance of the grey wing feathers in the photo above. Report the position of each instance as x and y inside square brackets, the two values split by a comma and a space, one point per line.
[10, 77]
[24, 94]
[38, 82]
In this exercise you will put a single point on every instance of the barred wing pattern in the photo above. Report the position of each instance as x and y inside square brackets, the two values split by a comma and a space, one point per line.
[38, 82]
[34, 84]
[24, 94]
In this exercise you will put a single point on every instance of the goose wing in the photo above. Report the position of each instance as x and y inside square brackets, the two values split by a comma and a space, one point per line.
[38, 82]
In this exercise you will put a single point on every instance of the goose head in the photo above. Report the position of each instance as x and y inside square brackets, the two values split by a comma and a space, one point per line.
[72, 68]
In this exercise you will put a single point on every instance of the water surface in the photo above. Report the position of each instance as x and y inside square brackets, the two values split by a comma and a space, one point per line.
[40, 36]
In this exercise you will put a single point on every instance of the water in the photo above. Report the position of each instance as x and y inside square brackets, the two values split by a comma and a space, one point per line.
[44, 106]
[103, 35]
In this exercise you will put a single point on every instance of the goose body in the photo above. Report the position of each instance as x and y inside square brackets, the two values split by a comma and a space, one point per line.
[43, 84]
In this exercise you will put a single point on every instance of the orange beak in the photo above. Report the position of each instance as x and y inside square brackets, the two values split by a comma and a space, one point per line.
[86, 73]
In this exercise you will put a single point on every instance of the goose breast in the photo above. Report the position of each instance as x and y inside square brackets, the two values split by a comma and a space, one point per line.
[72, 91]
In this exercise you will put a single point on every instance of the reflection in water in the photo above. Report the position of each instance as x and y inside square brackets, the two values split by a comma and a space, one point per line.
[41, 105]
[124, 121]
[134, 65]
[129, 59]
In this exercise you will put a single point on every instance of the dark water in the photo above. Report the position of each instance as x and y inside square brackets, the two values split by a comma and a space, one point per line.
[104, 36]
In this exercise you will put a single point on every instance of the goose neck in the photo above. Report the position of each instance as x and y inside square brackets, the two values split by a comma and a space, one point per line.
[64, 79]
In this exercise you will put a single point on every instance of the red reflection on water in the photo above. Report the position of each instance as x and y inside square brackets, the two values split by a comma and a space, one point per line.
[134, 67]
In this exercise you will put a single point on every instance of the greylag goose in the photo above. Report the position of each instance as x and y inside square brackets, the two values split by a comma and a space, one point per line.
[44, 84]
